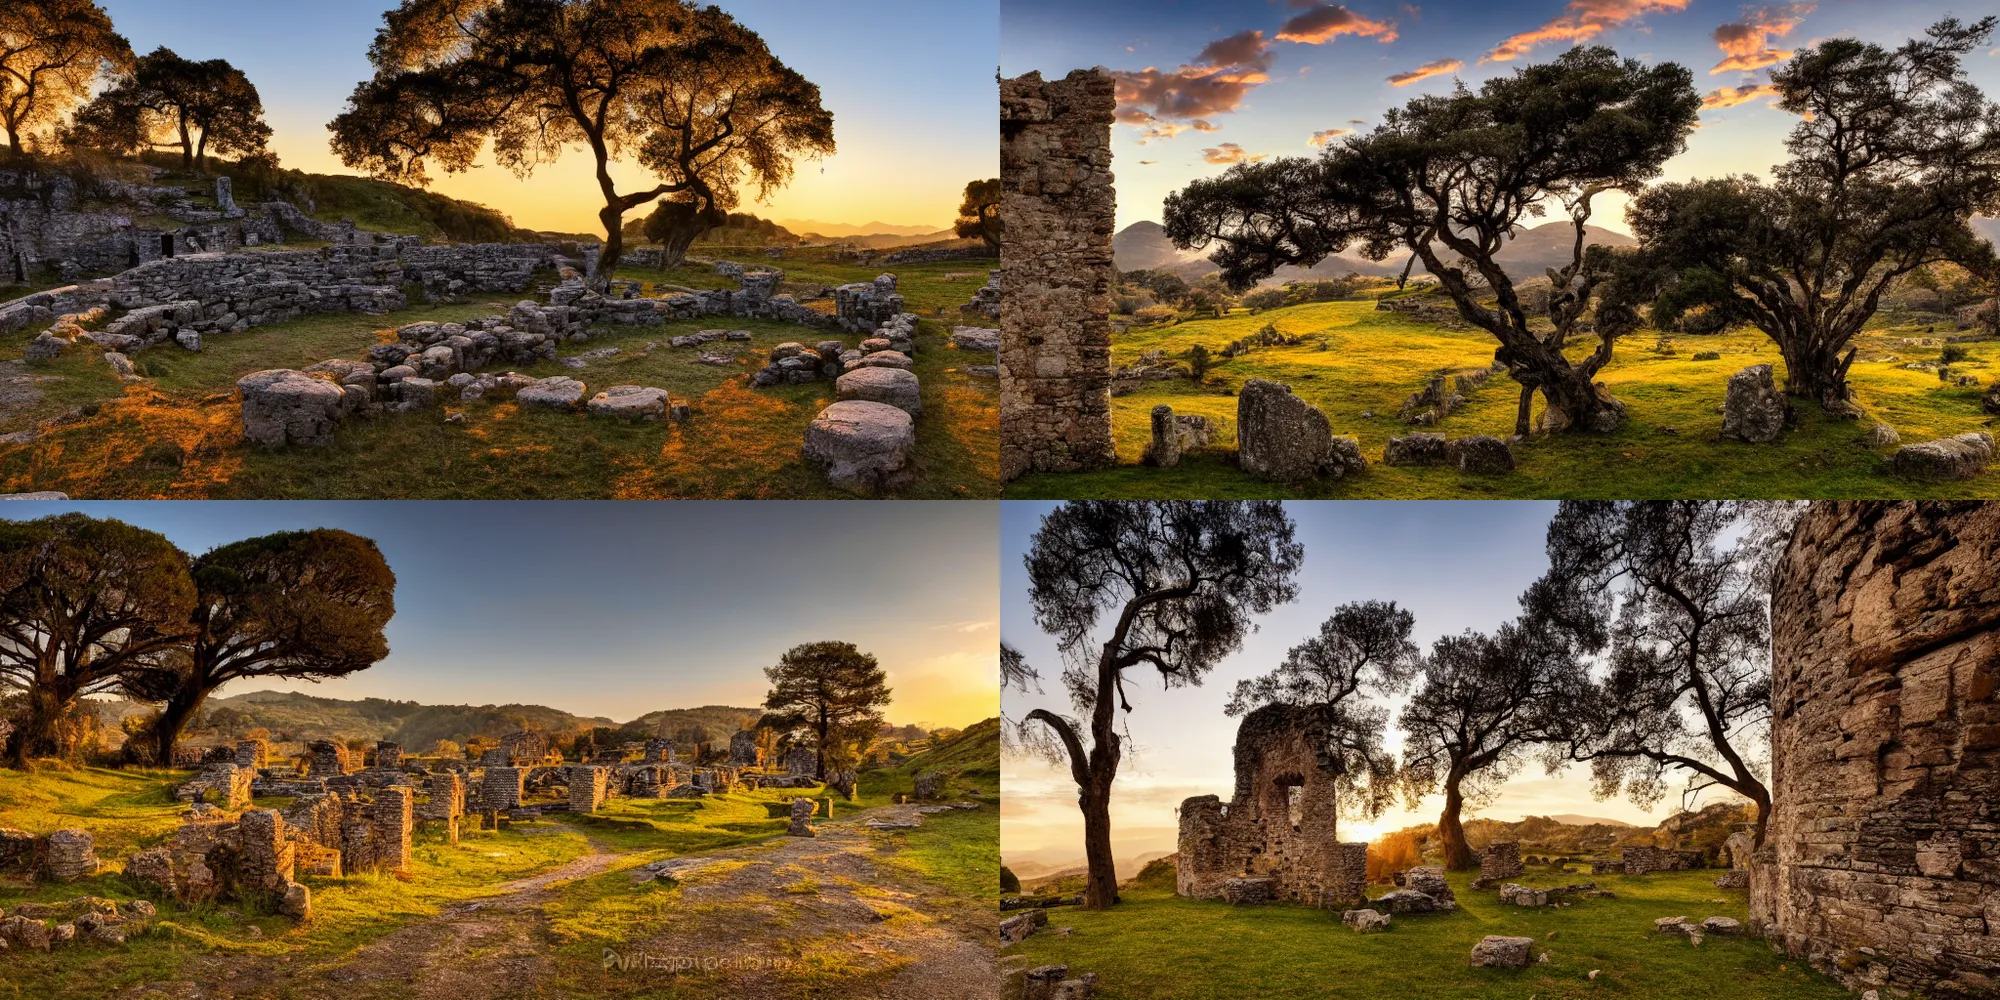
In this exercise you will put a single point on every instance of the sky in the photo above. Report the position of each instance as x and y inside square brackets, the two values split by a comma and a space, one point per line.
[620, 608]
[1204, 82]
[910, 84]
[1455, 565]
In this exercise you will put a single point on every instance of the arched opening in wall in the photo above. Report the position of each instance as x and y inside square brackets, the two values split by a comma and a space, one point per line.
[166, 244]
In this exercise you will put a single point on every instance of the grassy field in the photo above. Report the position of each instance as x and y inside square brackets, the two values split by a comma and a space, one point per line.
[1668, 447]
[178, 434]
[1158, 946]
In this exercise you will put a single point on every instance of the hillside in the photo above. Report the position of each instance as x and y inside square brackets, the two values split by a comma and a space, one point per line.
[293, 716]
[1144, 246]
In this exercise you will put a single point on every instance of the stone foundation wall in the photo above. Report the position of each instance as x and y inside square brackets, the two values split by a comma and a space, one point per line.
[1056, 273]
[589, 786]
[1882, 857]
[1281, 822]
[501, 787]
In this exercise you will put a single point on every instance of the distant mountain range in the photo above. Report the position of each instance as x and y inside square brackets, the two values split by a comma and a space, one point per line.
[1144, 246]
[843, 230]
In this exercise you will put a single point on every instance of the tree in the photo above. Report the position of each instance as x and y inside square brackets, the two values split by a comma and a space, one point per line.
[979, 212]
[167, 101]
[1363, 648]
[84, 604]
[1451, 177]
[1894, 153]
[693, 96]
[51, 52]
[1675, 597]
[830, 689]
[300, 605]
[1181, 581]
[1485, 700]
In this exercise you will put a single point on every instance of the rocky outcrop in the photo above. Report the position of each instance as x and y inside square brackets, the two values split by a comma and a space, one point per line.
[1755, 411]
[1961, 457]
[1285, 439]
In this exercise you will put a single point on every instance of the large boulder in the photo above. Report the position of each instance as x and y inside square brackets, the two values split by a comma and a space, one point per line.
[1429, 880]
[976, 338]
[1365, 920]
[862, 446]
[558, 392]
[284, 407]
[630, 402]
[1407, 901]
[1479, 453]
[1961, 457]
[1754, 410]
[893, 386]
[1174, 435]
[1285, 439]
[1496, 952]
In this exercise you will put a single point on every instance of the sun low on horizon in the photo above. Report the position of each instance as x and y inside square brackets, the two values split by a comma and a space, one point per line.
[1206, 84]
[904, 152]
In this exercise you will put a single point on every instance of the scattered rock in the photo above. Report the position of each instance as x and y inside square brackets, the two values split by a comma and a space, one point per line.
[895, 386]
[284, 407]
[558, 392]
[1754, 410]
[1415, 449]
[1479, 454]
[1285, 439]
[1365, 920]
[1496, 952]
[1883, 436]
[1961, 457]
[631, 402]
[862, 446]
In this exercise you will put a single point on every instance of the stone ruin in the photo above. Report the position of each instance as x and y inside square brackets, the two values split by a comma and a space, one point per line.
[1960, 457]
[62, 856]
[588, 786]
[800, 762]
[328, 758]
[1175, 435]
[1474, 453]
[91, 919]
[1497, 863]
[211, 857]
[1276, 838]
[226, 786]
[986, 299]
[1881, 863]
[1056, 273]
[1754, 411]
[802, 814]
[743, 749]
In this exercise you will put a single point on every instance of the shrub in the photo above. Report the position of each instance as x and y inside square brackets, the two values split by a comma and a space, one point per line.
[1198, 361]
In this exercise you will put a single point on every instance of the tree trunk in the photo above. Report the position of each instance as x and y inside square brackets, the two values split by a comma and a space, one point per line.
[1818, 372]
[1574, 403]
[613, 217]
[1762, 797]
[1100, 889]
[1522, 427]
[14, 139]
[38, 734]
[175, 715]
[1457, 853]
[673, 249]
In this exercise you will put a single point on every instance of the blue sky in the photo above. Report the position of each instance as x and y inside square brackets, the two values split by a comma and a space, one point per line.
[1455, 565]
[1272, 95]
[623, 607]
[910, 84]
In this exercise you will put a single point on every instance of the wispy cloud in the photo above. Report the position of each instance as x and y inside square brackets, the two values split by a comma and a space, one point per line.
[1215, 82]
[1729, 97]
[1581, 21]
[1746, 43]
[1160, 128]
[968, 626]
[1426, 71]
[1230, 152]
[1321, 23]
[1325, 136]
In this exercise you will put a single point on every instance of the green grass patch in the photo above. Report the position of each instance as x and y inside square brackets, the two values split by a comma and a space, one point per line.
[1667, 448]
[124, 810]
[1216, 951]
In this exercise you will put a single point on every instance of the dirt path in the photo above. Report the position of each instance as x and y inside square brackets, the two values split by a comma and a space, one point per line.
[823, 918]
[817, 918]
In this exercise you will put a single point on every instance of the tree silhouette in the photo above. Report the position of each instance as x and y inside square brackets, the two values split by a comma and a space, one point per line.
[84, 604]
[168, 101]
[1181, 580]
[1484, 702]
[302, 605]
[1675, 597]
[1895, 152]
[51, 52]
[979, 212]
[693, 96]
[1451, 178]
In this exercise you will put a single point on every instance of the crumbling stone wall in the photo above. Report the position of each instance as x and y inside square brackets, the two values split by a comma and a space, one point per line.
[1281, 823]
[1881, 863]
[589, 786]
[1056, 273]
[501, 787]
[329, 759]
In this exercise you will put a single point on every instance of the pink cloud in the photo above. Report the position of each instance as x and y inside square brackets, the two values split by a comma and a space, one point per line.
[1230, 152]
[1158, 128]
[1322, 23]
[1581, 21]
[1729, 97]
[1216, 82]
[1325, 136]
[1426, 71]
[1746, 44]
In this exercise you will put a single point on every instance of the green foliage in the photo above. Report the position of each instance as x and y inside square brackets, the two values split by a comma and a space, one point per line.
[1009, 883]
[834, 692]
[54, 51]
[168, 101]
[1198, 361]
[979, 212]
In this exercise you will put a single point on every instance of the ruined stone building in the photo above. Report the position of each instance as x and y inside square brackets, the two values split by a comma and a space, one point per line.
[1056, 273]
[1277, 836]
[1881, 863]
